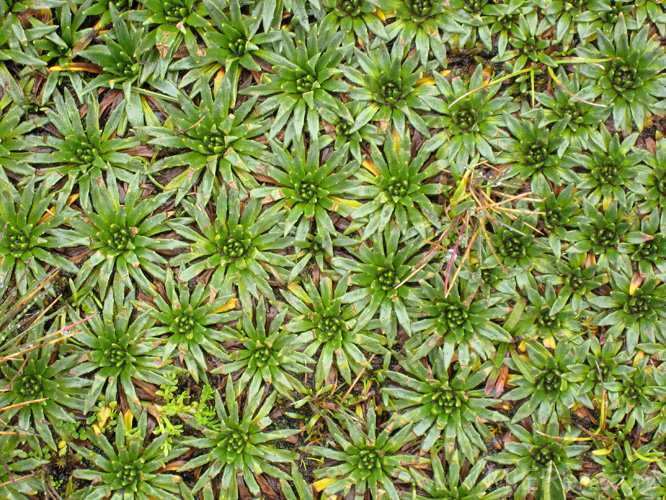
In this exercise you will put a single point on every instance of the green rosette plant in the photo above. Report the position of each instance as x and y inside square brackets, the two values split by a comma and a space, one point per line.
[534, 152]
[600, 233]
[187, 321]
[627, 463]
[114, 348]
[310, 187]
[556, 213]
[570, 101]
[18, 480]
[239, 444]
[15, 127]
[391, 89]
[654, 181]
[611, 167]
[449, 481]
[355, 18]
[213, 139]
[446, 408]
[605, 366]
[497, 21]
[428, 24]
[551, 381]
[60, 45]
[471, 124]
[84, 150]
[629, 76]
[515, 245]
[123, 234]
[313, 252]
[341, 128]
[27, 244]
[367, 457]
[40, 392]
[128, 65]
[492, 279]
[172, 23]
[265, 352]
[457, 323]
[577, 282]
[376, 271]
[306, 76]
[541, 321]
[533, 452]
[396, 185]
[637, 396]
[647, 247]
[232, 46]
[239, 244]
[468, 14]
[329, 329]
[129, 466]
[527, 46]
[632, 311]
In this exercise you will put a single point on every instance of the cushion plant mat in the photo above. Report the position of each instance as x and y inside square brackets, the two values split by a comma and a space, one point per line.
[332, 249]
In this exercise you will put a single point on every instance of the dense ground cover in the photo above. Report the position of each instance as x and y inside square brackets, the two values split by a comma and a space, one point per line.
[332, 249]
